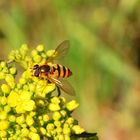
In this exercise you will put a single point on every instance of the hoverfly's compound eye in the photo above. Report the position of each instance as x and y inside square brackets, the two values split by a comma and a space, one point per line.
[36, 70]
[36, 73]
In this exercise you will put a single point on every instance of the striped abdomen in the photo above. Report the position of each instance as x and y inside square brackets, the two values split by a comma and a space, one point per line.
[60, 71]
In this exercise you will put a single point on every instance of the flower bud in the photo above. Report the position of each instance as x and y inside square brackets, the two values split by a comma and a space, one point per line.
[77, 129]
[13, 70]
[29, 105]
[66, 131]
[40, 48]
[70, 120]
[5, 88]
[3, 115]
[3, 100]
[25, 95]
[43, 130]
[13, 99]
[2, 75]
[20, 119]
[24, 132]
[54, 107]
[55, 100]
[50, 126]
[3, 134]
[3, 64]
[29, 120]
[12, 118]
[7, 108]
[33, 129]
[49, 88]
[45, 118]
[56, 116]
[34, 136]
[4, 124]
[57, 123]
[34, 52]
[37, 58]
[72, 105]
[67, 137]
[50, 53]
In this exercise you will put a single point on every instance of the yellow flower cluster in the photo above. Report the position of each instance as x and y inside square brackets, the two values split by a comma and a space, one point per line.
[28, 107]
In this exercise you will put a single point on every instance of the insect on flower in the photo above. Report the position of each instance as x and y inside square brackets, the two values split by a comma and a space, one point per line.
[56, 73]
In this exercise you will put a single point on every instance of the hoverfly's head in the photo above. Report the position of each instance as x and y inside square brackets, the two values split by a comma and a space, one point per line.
[36, 70]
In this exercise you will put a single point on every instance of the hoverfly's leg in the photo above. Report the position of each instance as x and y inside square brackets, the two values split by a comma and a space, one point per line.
[59, 91]
[85, 135]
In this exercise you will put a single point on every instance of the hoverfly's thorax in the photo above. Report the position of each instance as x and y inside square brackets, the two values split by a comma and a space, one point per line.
[44, 68]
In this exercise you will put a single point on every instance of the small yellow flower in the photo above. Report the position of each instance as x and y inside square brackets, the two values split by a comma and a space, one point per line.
[33, 129]
[43, 130]
[3, 115]
[7, 108]
[72, 105]
[3, 134]
[59, 129]
[25, 95]
[13, 99]
[12, 118]
[9, 78]
[34, 136]
[3, 64]
[63, 113]
[56, 116]
[66, 131]
[50, 126]
[29, 105]
[2, 75]
[34, 52]
[37, 58]
[19, 108]
[54, 107]
[55, 100]
[40, 48]
[3, 100]
[50, 53]
[49, 88]
[22, 80]
[29, 120]
[46, 118]
[5, 88]
[4, 124]
[20, 119]
[70, 120]
[24, 132]
[77, 129]
[57, 123]
[13, 70]
[67, 137]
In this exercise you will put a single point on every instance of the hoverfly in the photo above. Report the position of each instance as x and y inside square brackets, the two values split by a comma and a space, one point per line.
[56, 73]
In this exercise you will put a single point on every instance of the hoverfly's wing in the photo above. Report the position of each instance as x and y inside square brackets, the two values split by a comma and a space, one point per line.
[62, 49]
[64, 85]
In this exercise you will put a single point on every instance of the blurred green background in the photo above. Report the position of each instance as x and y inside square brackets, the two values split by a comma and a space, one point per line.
[104, 55]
